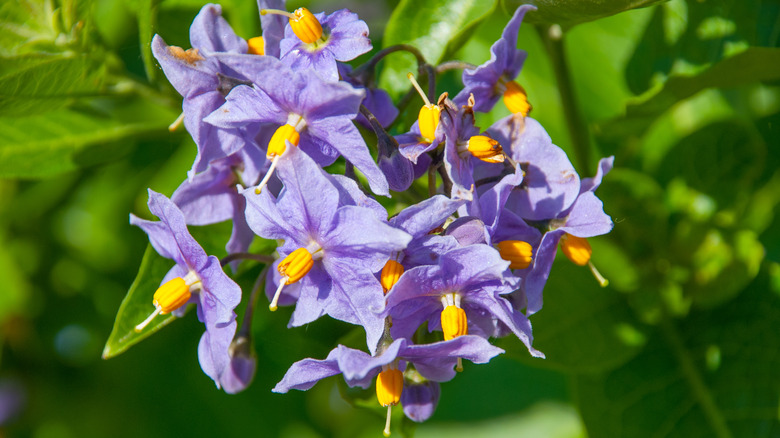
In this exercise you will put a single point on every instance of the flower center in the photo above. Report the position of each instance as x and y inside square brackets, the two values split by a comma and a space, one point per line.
[171, 295]
[290, 131]
[517, 252]
[453, 318]
[303, 24]
[294, 267]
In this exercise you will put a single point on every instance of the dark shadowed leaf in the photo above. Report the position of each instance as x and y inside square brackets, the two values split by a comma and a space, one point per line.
[712, 375]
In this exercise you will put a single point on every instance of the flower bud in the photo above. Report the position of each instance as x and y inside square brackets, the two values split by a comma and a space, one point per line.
[486, 149]
[517, 252]
[296, 265]
[516, 99]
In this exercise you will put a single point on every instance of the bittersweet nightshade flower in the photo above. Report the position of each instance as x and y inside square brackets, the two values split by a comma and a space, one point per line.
[203, 75]
[585, 218]
[343, 37]
[342, 246]
[433, 361]
[212, 197]
[469, 278]
[495, 78]
[550, 184]
[426, 133]
[315, 115]
[197, 276]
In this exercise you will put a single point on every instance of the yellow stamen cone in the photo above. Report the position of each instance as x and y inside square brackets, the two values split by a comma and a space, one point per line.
[517, 252]
[454, 322]
[389, 385]
[277, 145]
[390, 274]
[486, 149]
[306, 26]
[256, 46]
[296, 265]
[576, 249]
[428, 121]
[516, 99]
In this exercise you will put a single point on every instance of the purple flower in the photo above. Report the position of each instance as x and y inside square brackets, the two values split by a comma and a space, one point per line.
[211, 196]
[319, 116]
[433, 361]
[342, 246]
[203, 75]
[419, 399]
[550, 184]
[200, 277]
[489, 81]
[377, 100]
[468, 282]
[344, 38]
[413, 144]
[273, 26]
[585, 218]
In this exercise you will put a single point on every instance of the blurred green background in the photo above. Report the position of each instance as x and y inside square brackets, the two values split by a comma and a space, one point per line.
[685, 341]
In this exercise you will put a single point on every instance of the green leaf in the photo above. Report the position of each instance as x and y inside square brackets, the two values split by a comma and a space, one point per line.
[71, 138]
[568, 13]
[147, 20]
[33, 84]
[137, 306]
[751, 65]
[713, 374]
[435, 27]
[582, 327]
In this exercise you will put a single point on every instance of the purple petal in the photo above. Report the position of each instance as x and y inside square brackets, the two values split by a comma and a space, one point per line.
[423, 217]
[273, 25]
[419, 400]
[303, 374]
[591, 184]
[211, 33]
[213, 350]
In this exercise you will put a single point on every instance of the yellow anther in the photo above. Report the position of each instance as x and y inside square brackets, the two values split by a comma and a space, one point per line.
[306, 26]
[517, 252]
[576, 249]
[516, 99]
[256, 46]
[486, 149]
[454, 322]
[296, 265]
[390, 274]
[277, 145]
[171, 295]
[389, 385]
[428, 120]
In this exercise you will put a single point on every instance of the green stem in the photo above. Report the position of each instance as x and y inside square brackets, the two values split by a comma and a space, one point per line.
[578, 129]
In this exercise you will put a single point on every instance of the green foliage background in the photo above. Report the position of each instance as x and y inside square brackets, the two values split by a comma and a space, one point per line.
[685, 341]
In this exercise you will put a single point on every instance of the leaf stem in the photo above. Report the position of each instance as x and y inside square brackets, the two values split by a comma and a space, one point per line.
[578, 130]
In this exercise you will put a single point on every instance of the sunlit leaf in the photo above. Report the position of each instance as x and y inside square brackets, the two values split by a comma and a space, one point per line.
[71, 138]
[568, 13]
[33, 84]
[435, 27]
[713, 374]
[137, 305]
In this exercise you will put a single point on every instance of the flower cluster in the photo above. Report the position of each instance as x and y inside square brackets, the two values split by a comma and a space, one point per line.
[431, 285]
